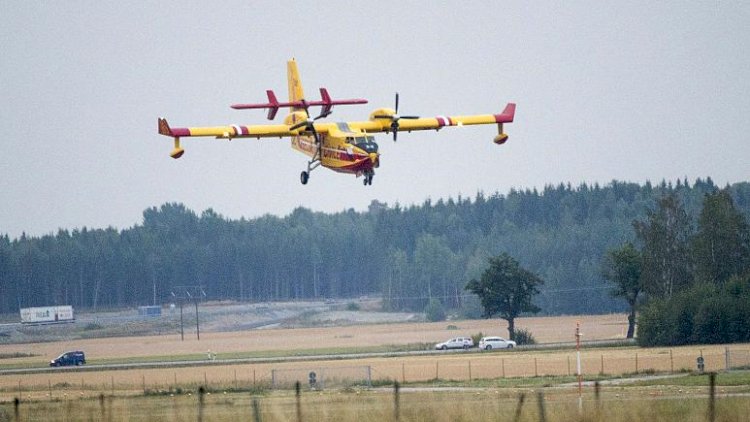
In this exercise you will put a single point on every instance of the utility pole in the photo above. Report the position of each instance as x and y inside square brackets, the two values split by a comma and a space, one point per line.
[578, 366]
[194, 293]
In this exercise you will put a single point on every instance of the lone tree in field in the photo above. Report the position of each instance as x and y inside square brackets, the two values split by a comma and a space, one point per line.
[506, 289]
[622, 266]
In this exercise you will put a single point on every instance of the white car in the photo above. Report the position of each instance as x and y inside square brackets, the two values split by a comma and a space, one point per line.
[489, 343]
[456, 343]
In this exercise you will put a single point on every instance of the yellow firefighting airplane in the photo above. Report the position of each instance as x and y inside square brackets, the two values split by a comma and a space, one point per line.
[345, 147]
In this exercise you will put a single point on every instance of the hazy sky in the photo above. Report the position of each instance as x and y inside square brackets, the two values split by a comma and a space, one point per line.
[632, 91]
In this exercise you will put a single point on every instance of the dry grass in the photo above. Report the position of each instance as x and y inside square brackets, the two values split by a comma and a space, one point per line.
[364, 406]
[445, 366]
[544, 329]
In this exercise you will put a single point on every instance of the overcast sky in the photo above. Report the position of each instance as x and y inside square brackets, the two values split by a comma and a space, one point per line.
[633, 91]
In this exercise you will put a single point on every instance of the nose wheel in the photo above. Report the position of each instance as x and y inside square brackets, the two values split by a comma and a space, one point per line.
[368, 178]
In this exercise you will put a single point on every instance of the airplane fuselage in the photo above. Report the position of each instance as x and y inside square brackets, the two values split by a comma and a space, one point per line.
[341, 150]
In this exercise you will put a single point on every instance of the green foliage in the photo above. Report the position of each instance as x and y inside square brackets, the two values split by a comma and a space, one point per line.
[434, 310]
[451, 327]
[351, 306]
[405, 254]
[623, 267]
[476, 337]
[523, 336]
[665, 236]
[506, 289]
[721, 247]
[704, 314]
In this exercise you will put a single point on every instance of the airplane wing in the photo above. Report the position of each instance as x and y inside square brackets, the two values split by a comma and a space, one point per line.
[229, 132]
[438, 122]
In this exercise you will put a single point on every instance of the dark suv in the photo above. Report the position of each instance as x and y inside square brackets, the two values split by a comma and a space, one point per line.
[69, 358]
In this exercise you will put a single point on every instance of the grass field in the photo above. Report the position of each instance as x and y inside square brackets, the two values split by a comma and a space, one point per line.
[684, 402]
[444, 386]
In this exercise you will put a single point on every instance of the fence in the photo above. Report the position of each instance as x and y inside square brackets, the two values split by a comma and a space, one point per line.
[459, 366]
[320, 378]
[602, 405]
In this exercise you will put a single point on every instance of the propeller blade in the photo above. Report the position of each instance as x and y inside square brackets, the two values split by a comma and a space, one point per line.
[323, 115]
[397, 103]
[298, 125]
[408, 117]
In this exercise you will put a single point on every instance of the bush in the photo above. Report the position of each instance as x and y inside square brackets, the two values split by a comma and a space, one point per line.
[351, 306]
[476, 337]
[703, 314]
[523, 336]
[434, 311]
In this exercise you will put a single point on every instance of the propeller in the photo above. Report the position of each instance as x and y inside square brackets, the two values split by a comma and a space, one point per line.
[309, 123]
[394, 118]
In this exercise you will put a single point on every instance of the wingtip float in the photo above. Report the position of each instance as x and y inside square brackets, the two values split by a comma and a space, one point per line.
[344, 147]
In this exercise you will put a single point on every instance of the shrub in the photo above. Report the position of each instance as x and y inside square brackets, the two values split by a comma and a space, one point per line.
[476, 337]
[434, 311]
[523, 336]
[351, 306]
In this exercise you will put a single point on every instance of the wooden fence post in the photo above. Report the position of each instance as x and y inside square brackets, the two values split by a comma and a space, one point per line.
[712, 396]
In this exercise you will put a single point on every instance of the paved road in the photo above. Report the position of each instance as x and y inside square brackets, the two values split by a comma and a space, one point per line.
[243, 361]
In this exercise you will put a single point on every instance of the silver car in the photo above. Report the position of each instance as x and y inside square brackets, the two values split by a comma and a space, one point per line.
[489, 343]
[456, 343]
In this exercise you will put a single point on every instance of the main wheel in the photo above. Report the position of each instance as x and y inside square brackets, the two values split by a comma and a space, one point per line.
[303, 177]
[488, 347]
[510, 346]
[444, 348]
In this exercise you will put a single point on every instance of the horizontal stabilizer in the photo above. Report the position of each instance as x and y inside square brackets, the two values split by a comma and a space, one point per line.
[273, 104]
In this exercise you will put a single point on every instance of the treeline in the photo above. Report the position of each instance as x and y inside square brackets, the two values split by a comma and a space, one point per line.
[689, 278]
[407, 254]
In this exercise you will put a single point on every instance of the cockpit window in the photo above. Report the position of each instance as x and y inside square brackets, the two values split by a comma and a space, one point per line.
[367, 143]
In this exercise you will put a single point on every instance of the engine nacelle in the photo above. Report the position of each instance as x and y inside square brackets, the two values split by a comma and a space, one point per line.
[382, 112]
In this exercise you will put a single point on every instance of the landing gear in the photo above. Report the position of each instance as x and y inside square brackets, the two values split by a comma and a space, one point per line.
[368, 178]
[311, 165]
